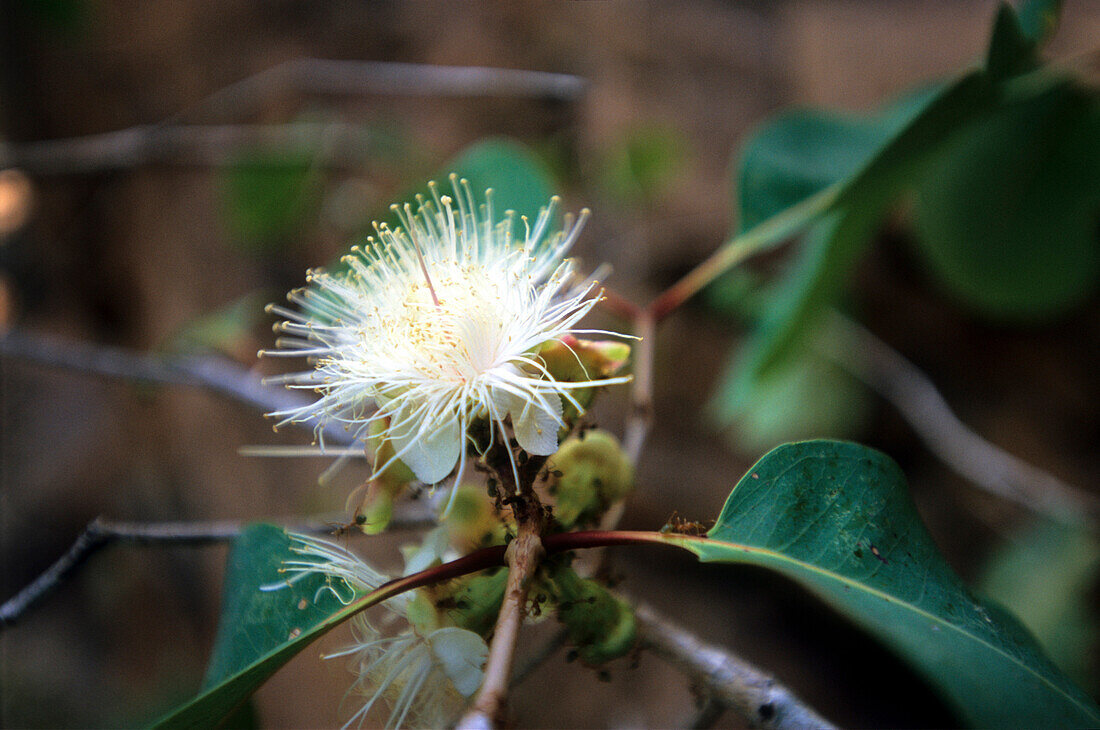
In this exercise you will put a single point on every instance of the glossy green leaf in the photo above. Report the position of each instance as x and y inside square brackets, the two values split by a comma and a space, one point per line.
[1006, 214]
[837, 518]
[254, 620]
[260, 630]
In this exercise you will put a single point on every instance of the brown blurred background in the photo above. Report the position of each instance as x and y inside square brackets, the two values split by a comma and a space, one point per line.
[133, 256]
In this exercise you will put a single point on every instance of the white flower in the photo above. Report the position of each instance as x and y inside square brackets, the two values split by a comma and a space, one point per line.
[437, 323]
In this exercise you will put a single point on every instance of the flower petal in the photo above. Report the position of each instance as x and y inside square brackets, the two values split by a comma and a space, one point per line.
[536, 423]
[461, 654]
[431, 455]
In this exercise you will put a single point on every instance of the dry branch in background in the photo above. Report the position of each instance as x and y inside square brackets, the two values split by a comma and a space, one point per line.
[729, 680]
[216, 374]
[101, 532]
[339, 144]
[913, 393]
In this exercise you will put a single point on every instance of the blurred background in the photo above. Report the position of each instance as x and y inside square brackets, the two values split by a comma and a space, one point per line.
[172, 241]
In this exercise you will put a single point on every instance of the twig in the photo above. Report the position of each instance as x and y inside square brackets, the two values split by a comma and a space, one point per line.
[913, 393]
[101, 532]
[523, 556]
[756, 695]
[761, 237]
[707, 715]
[356, 78]
[345, 144]
[215, 374]
[341, 145]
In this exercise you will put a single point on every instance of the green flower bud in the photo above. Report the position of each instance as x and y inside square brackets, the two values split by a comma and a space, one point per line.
[396, 473]
[576, 361]
[376, 510]
[420, 611]
[588, 474]
[375, 513]
[471, 602]
[473, 521]
[600, 625]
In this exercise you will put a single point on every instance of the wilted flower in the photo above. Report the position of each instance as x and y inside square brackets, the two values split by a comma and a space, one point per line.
[426, 674]
[426, 678]
[438, 323]
[346, 572]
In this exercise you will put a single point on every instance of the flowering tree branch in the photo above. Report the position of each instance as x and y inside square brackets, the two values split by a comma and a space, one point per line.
[524, 554]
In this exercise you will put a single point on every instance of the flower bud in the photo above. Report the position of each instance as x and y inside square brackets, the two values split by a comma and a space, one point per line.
[588, 474]
[396, 473]
[600, 625]
[473, 521]
[572, 360]
[376, 511]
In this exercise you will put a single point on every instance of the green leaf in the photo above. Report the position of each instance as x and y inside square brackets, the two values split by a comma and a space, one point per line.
[869, 161]
[1011, 51]
[1047, 575]
[1039, 19]
[1006, 213]
[798, 154]
[260, 630]
[519, 180]
[814, 283]
[804, 151]
[253, 620]
[806, 397]
[837, 518]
